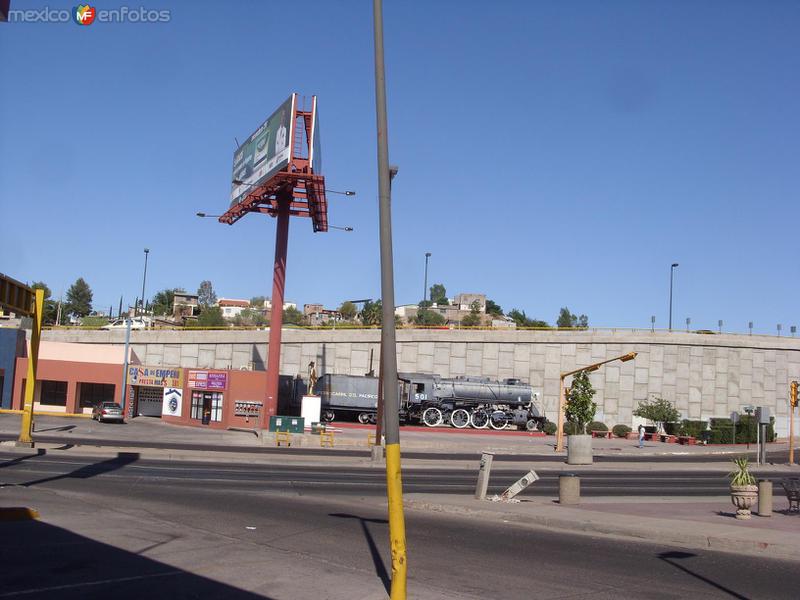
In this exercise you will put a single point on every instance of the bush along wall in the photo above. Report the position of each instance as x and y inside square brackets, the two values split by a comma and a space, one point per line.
[746, 431]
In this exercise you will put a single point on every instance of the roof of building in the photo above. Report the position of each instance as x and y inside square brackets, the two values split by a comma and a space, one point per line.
[233, 302]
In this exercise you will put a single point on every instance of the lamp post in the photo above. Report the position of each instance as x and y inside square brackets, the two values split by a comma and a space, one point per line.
[562, 398]
[144, 276]
[391, 400]
[425, 287]
[671, 273]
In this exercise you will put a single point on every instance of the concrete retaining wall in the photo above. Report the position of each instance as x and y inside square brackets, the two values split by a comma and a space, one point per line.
[705, 375]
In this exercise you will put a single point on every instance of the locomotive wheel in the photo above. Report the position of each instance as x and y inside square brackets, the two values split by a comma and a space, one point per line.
[363, 418]
[532, 425]
[498, 420]
[432, 416]
[328, 416]
[459, 418]
[479, 419]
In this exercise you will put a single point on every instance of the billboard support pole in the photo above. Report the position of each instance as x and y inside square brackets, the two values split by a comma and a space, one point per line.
[394, 483]
[276, 314]
[26, 425]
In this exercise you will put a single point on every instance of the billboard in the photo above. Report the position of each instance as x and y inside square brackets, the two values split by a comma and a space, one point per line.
[155, 376]
[208, 380]
[315, 155]
[264, 153]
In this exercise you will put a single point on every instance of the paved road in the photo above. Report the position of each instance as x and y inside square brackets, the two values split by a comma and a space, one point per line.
[132, 529]
[778, 457]
[357, 480]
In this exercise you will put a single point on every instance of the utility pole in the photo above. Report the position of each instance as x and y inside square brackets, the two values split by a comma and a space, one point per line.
[394, 484]
[425, 287]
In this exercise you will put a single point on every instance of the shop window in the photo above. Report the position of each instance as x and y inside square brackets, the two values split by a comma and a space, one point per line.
[54, 393]
[216, 406]
[93, 394]
[197, 405]
[211, 401]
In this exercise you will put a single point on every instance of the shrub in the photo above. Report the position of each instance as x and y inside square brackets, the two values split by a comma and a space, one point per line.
[673, 428]
[721, 436]
[550, 428]
[693, 428]
[596, 426]
[621, 431]
[571, 428]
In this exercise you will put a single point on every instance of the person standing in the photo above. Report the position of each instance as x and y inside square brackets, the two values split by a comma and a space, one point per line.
[641, 435]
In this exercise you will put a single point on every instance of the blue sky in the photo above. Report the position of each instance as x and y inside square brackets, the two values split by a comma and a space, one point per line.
[550, 153]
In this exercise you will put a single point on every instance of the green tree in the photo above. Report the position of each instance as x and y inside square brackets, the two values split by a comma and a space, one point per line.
[658, 410]
[579, 407]
[426, 316]
[566, 319]
[79, 298]
[473, 319]
[250, 318]
[205, 294]
[492, 308]
[348, 311]
[292, 316]
[50, 306]
[258, 301]
[210, 316]
[521, 319]
[163, 301]
[439, 294]
[371, 313]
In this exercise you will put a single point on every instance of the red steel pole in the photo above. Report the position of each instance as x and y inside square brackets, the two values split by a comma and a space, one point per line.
[276, 314]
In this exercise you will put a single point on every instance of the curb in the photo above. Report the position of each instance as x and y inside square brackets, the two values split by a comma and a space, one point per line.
[587, 525]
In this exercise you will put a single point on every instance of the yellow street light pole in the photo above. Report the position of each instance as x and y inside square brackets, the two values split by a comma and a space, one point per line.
[562, 392]
[26, 426]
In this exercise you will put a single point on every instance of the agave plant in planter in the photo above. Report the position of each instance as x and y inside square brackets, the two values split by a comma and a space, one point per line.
[744, 490]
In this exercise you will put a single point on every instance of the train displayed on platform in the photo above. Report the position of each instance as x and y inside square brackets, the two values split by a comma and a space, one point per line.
[433, 400]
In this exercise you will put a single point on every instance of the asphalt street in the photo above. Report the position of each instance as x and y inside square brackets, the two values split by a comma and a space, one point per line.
[776, 457]
[128, 528]
[346, 480]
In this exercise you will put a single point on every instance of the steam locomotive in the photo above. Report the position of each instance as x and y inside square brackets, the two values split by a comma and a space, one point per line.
[433, 400]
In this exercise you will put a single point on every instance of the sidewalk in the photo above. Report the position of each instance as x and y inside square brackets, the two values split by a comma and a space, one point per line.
[694, 523]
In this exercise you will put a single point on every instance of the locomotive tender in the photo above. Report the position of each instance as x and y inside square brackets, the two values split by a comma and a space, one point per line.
[433, 400]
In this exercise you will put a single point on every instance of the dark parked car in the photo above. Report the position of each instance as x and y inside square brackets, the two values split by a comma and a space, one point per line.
[108, 411]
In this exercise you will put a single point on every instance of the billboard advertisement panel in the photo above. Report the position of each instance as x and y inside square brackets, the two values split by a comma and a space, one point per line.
[315, 156]
[264, 153]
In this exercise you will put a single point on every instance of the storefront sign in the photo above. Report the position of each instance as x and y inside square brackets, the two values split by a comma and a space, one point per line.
[208, 380]
[173, 402]
[155, 376]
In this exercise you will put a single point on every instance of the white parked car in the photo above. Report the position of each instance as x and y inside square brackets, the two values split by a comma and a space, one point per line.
[136, 323]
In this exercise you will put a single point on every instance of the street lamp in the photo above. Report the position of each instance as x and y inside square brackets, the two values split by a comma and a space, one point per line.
[203, 215]
[144, 276]
[562, 399]
[671, 272]
[425, 287]
[342, 228]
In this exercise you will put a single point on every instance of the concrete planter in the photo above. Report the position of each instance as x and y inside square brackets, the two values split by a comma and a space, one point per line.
[579, 449]
[743, 497]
